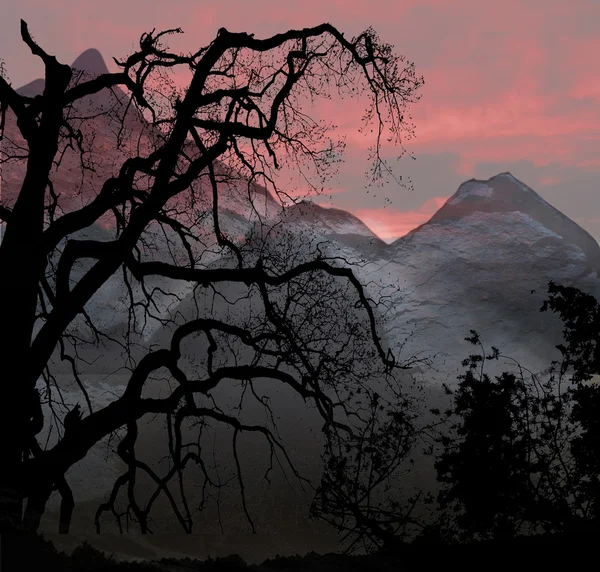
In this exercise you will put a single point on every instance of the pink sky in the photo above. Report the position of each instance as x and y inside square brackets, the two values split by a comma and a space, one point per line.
[509, 86]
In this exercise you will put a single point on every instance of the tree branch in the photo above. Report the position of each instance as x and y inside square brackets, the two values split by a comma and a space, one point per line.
[5, 213]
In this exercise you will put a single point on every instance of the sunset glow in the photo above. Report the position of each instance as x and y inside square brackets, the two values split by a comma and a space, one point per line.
[511, 86]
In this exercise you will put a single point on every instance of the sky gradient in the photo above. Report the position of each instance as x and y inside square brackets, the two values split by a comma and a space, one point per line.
[509, 86]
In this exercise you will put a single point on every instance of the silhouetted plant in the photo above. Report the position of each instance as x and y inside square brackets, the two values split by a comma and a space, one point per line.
[522, 455]
[86, 557]
[362, 492]
[174, 150]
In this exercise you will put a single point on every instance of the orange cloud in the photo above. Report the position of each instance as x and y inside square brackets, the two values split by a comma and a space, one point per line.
[391, 224]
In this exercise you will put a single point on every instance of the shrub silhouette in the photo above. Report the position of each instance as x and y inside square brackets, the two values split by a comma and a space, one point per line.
[523, 453]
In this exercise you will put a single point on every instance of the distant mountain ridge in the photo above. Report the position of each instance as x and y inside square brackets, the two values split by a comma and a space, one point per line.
[234, 203]
[501, 193]
[471, 265]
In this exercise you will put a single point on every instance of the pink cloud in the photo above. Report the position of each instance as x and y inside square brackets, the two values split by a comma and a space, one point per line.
[505, 81]
[504, 106]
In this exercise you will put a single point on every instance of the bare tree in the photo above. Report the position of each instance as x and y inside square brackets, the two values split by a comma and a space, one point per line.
[172, 151]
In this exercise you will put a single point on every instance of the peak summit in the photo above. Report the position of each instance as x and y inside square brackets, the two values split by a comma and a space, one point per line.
[505, 195]
[91, 61]
[501, 193]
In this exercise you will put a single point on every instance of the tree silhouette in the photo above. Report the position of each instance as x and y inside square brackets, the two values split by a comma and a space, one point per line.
[172, 151]
[522, 454]
[362, 492]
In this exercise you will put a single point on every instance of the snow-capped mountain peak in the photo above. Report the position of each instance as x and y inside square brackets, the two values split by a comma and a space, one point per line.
[501, 193]
[505, 197]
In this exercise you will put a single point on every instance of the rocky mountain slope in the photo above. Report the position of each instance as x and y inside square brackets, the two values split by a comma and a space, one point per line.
[483, 262]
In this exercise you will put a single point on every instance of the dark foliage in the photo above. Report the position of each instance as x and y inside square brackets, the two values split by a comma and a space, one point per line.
[31, 552]
[362, 491]
[522, 455]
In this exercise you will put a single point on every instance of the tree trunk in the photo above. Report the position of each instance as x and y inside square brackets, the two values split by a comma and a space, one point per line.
[66, 506]
[17, 408]
[11, 455]
[36, 506]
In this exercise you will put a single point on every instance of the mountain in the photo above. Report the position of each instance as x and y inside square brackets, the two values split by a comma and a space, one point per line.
[334, 224]
[505, 194]
[33, 88]
[241, 207]
[90, 61]
[484, 266]
[236, 212]
[483, 262]
[101, 118]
